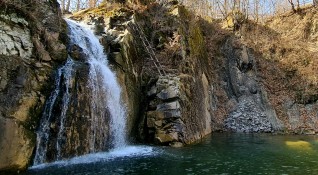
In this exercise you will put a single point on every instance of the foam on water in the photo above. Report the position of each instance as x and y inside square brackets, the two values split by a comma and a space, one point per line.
[129, 151]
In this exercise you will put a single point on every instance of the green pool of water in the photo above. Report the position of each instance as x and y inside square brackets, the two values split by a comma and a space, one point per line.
[219, 153]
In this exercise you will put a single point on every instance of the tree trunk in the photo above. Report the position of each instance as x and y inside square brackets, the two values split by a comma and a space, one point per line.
[78, 5]
[68, 6]
[298, 5]
[256, 10]
[63, 5]
[225, 7]
[293, 5]
[92, 3]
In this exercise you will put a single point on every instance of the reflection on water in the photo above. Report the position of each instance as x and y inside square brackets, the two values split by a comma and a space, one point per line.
[219, 154]
[299, 145]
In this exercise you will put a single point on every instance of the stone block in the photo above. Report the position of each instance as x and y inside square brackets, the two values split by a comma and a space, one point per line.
[152, 91]
[172, 114]
[156, 115]
[166, 138]
[169, 93]
[151, 122]
[168, 106]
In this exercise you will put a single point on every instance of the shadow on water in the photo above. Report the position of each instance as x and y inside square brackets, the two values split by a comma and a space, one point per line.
[220, 154]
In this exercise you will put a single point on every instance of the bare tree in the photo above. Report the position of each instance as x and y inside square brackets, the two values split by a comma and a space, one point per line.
[92, 3]
[298, 5]
[256, 10]
[63, 5]
[78, 5]
[68, 5]
[292, 5]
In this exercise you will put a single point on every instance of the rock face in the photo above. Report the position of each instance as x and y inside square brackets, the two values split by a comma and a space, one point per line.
[301, 118]
[176, 109]
[168, 121]
[200, 91]
[15, 40]
[178, 106]
[251, 111]
[164, 119]
[30, 47]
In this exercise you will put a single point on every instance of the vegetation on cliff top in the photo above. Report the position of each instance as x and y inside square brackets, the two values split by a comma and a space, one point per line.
[284, 44]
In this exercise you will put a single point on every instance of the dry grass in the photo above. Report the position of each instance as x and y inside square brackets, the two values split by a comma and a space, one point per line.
[287, 48]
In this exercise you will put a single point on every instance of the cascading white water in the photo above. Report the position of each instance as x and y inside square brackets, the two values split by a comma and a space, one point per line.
[107, 115]
[43, 132]
[67, 70]
[106, 92]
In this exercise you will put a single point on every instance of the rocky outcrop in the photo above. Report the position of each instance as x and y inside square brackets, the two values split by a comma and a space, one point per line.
[169, 119]
[164, 117]
[251, 111]
[171, 114]
[301, 118]
[15, 40]
[178, 106]
[286, 64]
[30, 47]
[205, 88]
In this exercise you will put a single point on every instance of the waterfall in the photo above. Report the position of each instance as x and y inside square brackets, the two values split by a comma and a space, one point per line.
[44, 130]
[107, 114]
[106, 92]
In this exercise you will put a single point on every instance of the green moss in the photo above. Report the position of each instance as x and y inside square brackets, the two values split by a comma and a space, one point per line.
[184, 13]
[191, 33]
[196, 41]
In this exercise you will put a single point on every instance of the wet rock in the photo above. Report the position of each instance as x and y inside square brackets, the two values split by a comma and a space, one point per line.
[20, 82]
[117, 58]
[166, 138]
[176, 144]
[77, 53]
[172, 113]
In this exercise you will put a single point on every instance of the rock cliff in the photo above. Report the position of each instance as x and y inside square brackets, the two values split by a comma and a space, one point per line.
[30, 48]
[207, 77]
[287, 65]
[182, 76]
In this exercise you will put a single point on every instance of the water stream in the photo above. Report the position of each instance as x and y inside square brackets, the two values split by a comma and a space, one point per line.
[106, 92]
[107, 118]
[65, 72]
